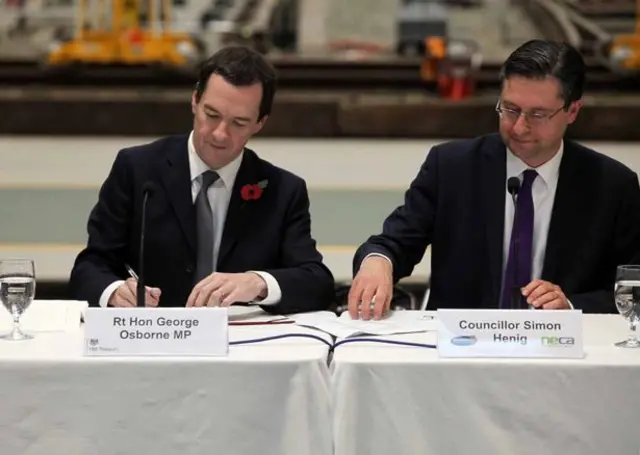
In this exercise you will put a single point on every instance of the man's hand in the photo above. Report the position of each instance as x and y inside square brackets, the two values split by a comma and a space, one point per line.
[225, 289]
[125, 295]
[373, 283]
[545, 295]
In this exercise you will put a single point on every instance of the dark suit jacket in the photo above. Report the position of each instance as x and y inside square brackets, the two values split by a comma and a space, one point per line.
[270, 234]
[456, 205]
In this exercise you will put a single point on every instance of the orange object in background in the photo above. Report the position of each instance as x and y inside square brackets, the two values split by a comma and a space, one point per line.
[119, 35]
[624, 50]
[455, 88]
[135, 36]
[452, 65]
[435, 49]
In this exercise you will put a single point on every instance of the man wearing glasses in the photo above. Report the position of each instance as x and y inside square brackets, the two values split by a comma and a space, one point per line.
[519, 219]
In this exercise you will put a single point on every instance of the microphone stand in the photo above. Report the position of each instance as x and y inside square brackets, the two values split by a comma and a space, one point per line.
[140, 289]
[516, 295]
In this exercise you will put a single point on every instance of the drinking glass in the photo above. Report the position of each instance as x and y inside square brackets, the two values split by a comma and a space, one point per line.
[627, 297]
[17, 290]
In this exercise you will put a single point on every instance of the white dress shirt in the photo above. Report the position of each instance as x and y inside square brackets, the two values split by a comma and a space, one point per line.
[543, 192]
[219, 195]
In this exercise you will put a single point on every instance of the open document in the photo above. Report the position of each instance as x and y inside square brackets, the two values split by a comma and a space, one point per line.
[395, 322]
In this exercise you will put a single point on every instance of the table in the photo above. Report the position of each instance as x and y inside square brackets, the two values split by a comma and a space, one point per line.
[399, 399]
[264, 398]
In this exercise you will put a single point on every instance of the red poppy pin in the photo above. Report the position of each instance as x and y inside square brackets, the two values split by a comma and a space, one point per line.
[253, 191]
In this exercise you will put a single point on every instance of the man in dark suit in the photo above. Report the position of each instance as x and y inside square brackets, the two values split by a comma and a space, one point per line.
[578, 211]
[223, 225]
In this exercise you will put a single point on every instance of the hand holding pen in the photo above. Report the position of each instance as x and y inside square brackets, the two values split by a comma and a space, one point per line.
[125, 294]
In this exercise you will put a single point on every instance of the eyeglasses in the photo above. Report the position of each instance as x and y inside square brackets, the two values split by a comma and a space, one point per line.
[532, 118]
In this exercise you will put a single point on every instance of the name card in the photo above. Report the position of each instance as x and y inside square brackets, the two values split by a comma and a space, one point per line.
[156, 332]
[510, 333]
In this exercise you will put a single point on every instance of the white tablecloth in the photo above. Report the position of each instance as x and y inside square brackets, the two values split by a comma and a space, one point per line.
[267, 398]
[406, 400]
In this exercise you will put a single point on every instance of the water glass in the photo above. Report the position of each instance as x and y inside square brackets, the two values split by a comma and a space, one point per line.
[17, 290]
[627, 297]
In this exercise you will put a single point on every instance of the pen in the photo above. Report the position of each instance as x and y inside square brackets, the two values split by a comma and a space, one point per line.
[132, 274]
[288, 321]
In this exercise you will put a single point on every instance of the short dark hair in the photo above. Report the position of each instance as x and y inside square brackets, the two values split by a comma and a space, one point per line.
[240, 66]
[538, 59]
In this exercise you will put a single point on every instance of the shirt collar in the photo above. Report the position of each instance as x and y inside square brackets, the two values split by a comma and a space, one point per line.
[547, 172]
[197, 167]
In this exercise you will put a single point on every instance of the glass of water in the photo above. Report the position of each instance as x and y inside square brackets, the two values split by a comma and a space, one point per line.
[17, 290]
[627, 296]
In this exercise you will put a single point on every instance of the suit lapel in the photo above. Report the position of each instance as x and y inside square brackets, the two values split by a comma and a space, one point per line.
[239, 209]
[493, 187]
[176, 178]
[566, 213]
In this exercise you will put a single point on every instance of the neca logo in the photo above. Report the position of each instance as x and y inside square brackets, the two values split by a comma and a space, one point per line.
[558, 341]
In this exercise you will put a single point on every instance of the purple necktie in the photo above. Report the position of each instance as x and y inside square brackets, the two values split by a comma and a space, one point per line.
[524, 226]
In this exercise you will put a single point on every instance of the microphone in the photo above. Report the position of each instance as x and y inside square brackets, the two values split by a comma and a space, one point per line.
[513, 186]
[147, 191]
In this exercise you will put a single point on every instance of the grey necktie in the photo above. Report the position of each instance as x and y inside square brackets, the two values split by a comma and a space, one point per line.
[204, 226]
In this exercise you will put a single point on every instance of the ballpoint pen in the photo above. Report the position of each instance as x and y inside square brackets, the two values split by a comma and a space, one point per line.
[132, 274]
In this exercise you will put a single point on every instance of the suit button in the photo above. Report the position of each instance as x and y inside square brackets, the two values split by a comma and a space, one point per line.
[189, 269]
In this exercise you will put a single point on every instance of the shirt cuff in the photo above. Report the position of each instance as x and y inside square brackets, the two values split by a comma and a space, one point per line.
[274, 294]
[106, 294]
[379, 255]
[570, 304]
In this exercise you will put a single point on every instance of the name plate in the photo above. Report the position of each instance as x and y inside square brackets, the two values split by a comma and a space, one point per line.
[510, 333]
[156, 332]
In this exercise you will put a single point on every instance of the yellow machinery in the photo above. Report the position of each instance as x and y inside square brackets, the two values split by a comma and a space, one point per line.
[112, 32]
[624, 51]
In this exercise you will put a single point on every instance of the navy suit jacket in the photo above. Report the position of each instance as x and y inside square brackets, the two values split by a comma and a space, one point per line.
[270, 234]
[456, 205]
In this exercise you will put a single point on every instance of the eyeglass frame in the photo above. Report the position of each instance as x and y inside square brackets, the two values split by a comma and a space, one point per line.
[543, 119]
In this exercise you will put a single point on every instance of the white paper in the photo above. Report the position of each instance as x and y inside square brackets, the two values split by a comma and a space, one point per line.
[252, 314]
[47, 316]
[395, 323]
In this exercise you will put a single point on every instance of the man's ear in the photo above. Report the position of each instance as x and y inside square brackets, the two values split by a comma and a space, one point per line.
[260, 124]
[574, 109]
[194, 103]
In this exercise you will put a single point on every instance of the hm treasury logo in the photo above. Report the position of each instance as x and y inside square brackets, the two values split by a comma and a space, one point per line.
[93, 345]
[464, 340]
